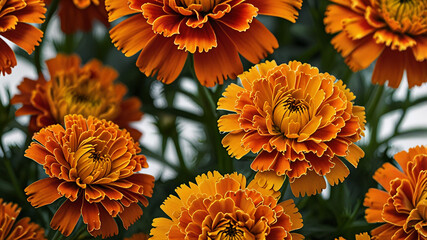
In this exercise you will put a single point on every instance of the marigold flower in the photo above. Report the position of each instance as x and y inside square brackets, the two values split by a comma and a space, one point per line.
[361, 236]
[300, 122]
[392, 31]
[214, 32]
[87, 90]
[15, 17]
[223, 207]
[93, 165]
[78, 15]
[402, 207]
[138, 236]
[20, 230]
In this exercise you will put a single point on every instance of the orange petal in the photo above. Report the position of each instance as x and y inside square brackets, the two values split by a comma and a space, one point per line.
[63, 63]
[108, 228]
[338, 173]
[240, 17]
[168, 25]
[357, 27]
[354, 154]
[420, 49]
[131, 35]
[265, 160]
[7, 58]
[219, 63]
[161, 228]
[66, 217]
[117, 9]
[161, 56]
[415, 71]
[228, 123]
[389, 67]
[69, 190]
[232, 142]
[334, 16]
[374, 201]
[90, 214]
[8, 23]
[279, 8]
[191, 39]
[386, 173]
[292, 211]
[130, 215]
[250, 45]
[364, 54]
[32, 13]
[43, 192]
[309, 184]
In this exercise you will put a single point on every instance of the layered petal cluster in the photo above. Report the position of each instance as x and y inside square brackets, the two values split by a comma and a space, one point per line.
[93, 165]
[223, 207]
[22, 229]
[138, 236]
[74, 89]
[80, 15]
[15, 19]
[402, 205]
[298, 120]
[361, 236]
[215, 32]
[392, 31]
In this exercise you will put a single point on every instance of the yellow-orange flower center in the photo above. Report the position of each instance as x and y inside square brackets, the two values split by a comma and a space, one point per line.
[230, 230]
[81, 93]
[401, 9]
[291, 107]
[206, 5]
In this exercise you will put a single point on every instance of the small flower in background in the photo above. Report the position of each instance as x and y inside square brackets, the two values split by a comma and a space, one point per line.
[402, 207]
[94, 165]
[17, 230]
[78, 15]
[214, 32]
[15, 17]
[87, 90]
[223, 207]
[298, 120]
[361, 236]
[138, 236]
[392, 31]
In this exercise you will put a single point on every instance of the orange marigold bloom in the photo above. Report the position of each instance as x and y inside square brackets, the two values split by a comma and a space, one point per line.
[300, 122]
[223, 207]
[213, 31]
[361, 236]
[402, 207]
[15, 16]
[87, 90]
[392, 31]
[80, 14]
[22, 229]
[138, 236]
[94, 165]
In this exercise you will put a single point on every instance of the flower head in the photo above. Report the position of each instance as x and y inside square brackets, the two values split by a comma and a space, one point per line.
[392, 31]
[17, 230]
[215, 32]
[223, 207]
[93, 165]
[300, 122]
[138, 236]
[15, 17]
[361, 236]
[87, 90]
[80, 14]
[402, 206]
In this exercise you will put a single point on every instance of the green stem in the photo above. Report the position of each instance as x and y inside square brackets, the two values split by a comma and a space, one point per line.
[57, 236]
[79, 232]
[183, 166]
[43, 28]
[372, 105]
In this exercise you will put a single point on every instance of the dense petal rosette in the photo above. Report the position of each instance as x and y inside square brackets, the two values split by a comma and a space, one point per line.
[15, 16]
[78, 15]
[87, 90]
[215, 32]
[300, 122]
[392, 31]
[223, 207]
[93, 165]
[402, 205]
[22, 229]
